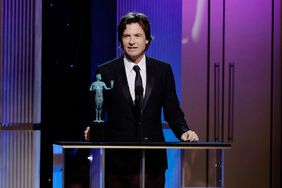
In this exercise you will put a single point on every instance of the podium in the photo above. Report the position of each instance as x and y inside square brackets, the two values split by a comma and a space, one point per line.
[97, 158]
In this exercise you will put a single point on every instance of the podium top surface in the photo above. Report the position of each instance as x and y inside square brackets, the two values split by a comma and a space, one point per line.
[144, 145]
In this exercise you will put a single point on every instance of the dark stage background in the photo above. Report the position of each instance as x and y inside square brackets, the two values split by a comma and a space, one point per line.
[69, 58]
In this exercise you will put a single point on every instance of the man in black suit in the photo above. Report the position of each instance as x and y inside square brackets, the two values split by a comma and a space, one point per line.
[143, 86]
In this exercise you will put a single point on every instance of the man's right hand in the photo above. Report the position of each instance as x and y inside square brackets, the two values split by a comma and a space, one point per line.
[87, 134]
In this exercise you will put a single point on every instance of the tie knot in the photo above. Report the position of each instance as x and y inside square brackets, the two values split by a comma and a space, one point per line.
[136, 68]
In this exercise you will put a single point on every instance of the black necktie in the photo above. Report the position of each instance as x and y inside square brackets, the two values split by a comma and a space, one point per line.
[138, 87]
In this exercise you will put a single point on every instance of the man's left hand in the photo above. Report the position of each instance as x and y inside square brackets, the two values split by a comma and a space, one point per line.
[189, 136]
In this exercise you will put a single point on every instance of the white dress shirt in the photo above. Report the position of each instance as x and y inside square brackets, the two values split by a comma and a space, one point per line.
[131, 74]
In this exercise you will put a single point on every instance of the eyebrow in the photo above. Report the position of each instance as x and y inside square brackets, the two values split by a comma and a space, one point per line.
[132, 34]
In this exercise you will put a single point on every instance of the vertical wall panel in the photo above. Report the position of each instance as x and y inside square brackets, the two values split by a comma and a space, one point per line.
[37, 34]
[20, 63]
[19, 159]
[20, 92]
[1, 46]
[195, 33]
[277, 95]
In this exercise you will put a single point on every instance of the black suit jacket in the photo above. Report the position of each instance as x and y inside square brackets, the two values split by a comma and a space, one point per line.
[160, 93]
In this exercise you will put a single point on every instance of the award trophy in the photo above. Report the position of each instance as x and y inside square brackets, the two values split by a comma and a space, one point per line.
[97, 126]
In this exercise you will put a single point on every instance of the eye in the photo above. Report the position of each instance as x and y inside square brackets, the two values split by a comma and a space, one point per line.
[125, 36]
[138, 35]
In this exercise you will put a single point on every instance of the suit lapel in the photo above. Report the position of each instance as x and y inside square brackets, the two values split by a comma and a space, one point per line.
[150, 81]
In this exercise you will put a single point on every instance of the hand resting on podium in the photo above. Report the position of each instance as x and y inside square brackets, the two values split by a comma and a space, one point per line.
[189, 136]
[87, 134]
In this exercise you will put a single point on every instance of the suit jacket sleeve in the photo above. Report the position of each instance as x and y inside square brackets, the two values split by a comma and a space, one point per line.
[172, 111]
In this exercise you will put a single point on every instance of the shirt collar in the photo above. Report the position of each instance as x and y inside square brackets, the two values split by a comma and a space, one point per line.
[129, 64]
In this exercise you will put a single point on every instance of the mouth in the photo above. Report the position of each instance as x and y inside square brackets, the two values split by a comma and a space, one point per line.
[131, 48]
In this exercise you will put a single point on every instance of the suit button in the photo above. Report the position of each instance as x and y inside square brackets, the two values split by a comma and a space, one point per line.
[139, 123]
[146, 139]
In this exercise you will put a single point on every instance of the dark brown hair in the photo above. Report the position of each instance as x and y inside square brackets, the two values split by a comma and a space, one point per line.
[133, 17]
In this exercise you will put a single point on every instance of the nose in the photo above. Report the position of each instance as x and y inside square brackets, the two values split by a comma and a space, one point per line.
[131, 40]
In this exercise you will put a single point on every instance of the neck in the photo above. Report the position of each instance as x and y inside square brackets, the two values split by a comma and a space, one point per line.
[135, 60]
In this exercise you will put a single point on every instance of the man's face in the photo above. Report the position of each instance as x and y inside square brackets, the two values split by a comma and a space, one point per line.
[134, 42]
